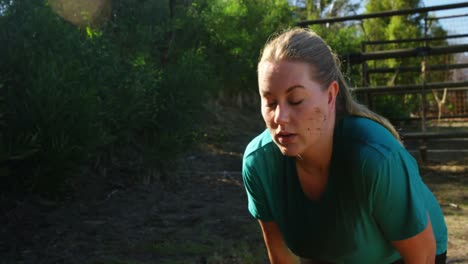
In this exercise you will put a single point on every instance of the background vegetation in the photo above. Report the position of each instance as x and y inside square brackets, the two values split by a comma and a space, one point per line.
[134, 87]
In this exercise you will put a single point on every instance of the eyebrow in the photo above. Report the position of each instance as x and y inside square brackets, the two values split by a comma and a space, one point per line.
[287, 91]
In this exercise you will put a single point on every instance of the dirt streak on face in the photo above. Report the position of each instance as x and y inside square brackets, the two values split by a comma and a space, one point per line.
[317, 122]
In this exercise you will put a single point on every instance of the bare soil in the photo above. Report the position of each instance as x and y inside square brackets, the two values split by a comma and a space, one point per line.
[198, 215]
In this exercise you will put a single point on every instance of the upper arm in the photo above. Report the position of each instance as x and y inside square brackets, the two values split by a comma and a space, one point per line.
[259, 207]
[258, 204]
[399, 208]
[396, 194]
[278, 252]
[420, 248]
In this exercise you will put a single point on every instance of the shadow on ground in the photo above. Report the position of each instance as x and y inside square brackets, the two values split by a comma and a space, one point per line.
[199, 216]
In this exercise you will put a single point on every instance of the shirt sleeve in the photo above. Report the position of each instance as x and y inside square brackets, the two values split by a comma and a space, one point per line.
[257, 198]
[396, 199]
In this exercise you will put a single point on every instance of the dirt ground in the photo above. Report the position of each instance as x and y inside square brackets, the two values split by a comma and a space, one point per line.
[199, 216]
[449, 183]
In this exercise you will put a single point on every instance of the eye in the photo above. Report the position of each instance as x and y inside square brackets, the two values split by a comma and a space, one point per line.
[296, 102]
[271, 104]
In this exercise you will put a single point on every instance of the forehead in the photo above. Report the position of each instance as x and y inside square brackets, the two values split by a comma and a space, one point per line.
[284, 74]
[268, 68]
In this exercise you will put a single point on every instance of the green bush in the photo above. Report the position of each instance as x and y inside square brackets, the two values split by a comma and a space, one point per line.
[71, 94]
[50, 107]
[238, 30]
[135, 86]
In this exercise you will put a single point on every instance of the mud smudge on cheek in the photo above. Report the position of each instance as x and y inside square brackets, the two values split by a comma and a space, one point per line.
[319, 115]
[317, 120]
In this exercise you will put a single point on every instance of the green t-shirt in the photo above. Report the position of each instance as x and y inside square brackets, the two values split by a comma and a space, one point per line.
[374, 195]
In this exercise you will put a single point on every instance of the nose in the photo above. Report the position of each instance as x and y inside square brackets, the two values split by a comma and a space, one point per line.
[281, 115]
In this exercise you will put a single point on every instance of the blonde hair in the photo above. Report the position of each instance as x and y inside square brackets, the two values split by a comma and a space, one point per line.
[299, 44]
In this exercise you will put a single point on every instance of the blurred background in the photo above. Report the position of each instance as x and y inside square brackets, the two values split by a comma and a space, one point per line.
[123, 122]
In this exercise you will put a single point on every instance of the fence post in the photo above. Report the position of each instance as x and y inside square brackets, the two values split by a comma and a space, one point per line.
[365, 78]
[423, 143]
[365, 74]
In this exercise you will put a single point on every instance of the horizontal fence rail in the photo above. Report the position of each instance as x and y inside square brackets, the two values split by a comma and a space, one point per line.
[381, 14]
[435, 135]
[443, 117]
[414, 88]
[357, 58]
[446, 17]
[397, 41]
[438, 67]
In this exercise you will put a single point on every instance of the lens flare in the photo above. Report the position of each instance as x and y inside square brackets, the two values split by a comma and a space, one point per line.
[82, 12]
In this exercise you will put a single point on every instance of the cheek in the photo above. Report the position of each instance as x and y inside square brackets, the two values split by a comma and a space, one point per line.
[267, 116]
[316, 120]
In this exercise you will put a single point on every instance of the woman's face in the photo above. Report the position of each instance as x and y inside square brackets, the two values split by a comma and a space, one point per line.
[295, 108]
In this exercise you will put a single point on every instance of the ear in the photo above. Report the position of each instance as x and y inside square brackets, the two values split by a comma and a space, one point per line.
[332, 91]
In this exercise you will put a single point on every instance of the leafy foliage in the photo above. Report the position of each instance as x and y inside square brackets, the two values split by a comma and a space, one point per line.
[136, 85]
[235, 52]
[48, 128]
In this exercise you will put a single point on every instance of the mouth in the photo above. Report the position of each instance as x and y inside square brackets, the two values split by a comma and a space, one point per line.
[284, 137]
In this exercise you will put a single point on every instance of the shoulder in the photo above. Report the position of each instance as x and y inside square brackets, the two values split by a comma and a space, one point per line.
[373, 157]
[261, 156]
[366, 138]
[365, 129]
[258, 171]
[261, 143]
[369, 150]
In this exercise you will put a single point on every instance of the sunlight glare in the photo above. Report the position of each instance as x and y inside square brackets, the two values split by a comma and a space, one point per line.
[82, 12]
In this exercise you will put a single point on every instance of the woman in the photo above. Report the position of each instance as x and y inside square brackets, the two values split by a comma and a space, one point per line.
[329, 180]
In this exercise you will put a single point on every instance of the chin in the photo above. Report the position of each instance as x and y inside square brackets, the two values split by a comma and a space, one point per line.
[290, 152]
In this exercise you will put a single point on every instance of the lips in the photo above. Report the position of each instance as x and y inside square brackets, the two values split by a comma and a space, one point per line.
[284, 137]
